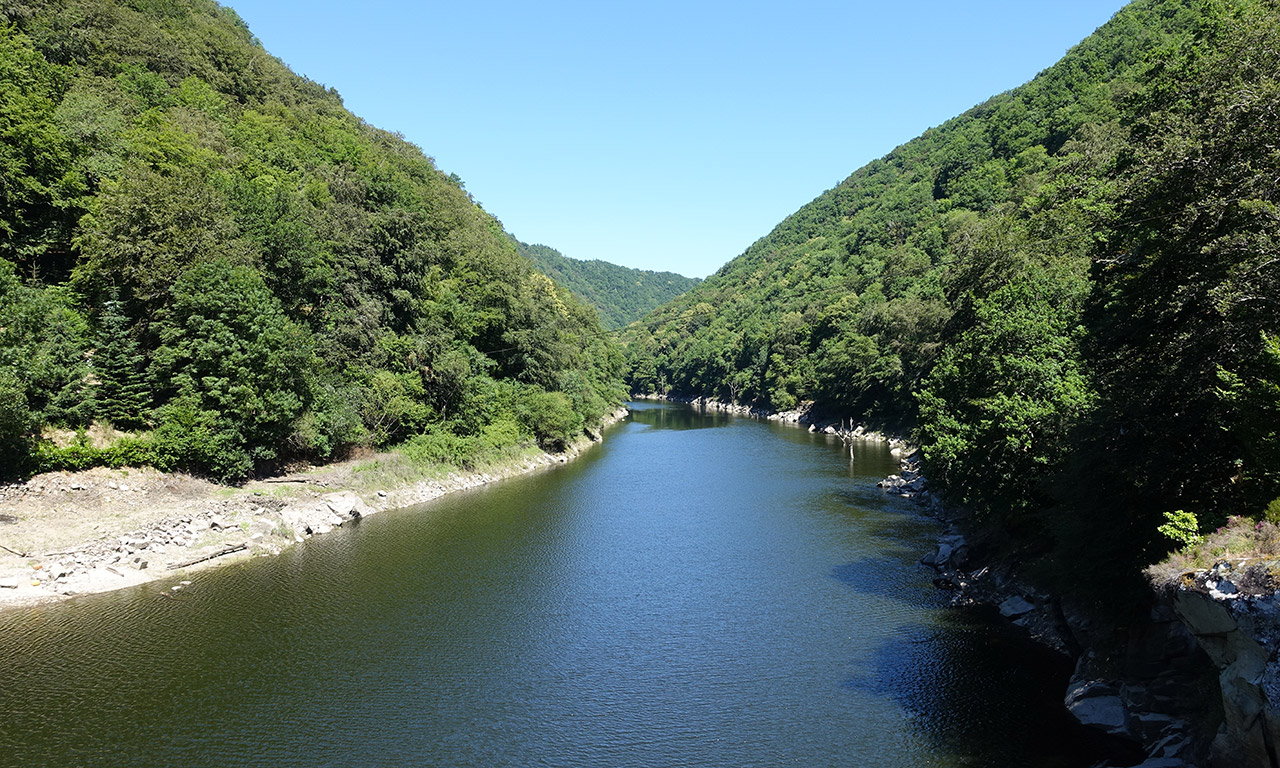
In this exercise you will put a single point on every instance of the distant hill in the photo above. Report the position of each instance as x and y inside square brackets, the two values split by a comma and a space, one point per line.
[621, 294]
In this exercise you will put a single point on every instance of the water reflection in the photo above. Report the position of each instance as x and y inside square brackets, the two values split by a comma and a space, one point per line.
[677, 417]
[701, 590]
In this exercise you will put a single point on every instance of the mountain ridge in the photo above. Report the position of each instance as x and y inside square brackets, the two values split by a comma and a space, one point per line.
[621, 294]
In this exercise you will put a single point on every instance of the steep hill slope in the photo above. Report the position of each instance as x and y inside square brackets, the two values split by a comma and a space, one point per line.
[197, 242]
[622, 295]
[1070, 292]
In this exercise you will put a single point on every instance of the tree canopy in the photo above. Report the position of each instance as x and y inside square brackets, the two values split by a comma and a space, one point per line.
[1069, 292]
[199, 244]
[620, 294]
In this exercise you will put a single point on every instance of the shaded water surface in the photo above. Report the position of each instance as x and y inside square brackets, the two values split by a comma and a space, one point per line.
[697, 591]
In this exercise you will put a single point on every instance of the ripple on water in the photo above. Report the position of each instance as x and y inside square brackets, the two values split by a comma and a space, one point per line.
[698, 591]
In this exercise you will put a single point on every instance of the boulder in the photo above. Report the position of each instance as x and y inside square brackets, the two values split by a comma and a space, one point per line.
[302, 517]
[1097, 704]
[1015, 606]
[343, 503]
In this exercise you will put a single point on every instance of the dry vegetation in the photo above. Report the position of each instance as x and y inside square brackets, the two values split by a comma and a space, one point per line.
[1251, 547]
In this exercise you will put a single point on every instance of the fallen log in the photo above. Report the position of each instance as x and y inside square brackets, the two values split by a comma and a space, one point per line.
[219, 553]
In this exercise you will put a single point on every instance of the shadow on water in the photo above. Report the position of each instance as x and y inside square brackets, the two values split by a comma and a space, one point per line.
[888, 578]
[665, 416]
[741, 596]
[970, 679]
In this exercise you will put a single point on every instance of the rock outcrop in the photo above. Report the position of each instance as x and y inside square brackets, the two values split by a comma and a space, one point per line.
[1240, 633]
[1140, 685]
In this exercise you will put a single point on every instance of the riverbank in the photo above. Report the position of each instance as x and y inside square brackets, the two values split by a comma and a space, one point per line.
[1142, 684]
[804, 416]
[64, 534]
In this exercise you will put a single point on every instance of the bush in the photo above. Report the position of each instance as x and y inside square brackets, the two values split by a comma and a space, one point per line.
[330, 425]
[193, 439]
[1272, 512]
[502, 434]
[127, 452]
[550, 418]
[439, 446]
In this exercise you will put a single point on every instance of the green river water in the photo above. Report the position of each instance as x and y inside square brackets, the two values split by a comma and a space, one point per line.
[698, 590]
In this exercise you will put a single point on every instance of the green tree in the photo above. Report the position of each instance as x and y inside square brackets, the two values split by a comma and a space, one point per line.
[16, 425]
[1189, 281]
[35, 158]
[231, 367]
[998, 409]
[44, 343]
[121, 394]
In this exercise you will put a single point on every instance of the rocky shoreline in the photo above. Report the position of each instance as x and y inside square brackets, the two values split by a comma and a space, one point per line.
[1150, 697]
[129, 527]
[1193, 683]
[804, 416]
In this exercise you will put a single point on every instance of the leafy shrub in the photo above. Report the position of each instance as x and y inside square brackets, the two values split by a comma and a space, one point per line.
[127, 452]
[550, 417]
[331, 424]
[502, 434]
[191, 438]
[1272, 512]
[1182, 528]
[391, 406]
[439, 446]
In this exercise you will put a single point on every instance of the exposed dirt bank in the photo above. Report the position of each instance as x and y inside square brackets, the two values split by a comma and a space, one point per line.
[69, 533]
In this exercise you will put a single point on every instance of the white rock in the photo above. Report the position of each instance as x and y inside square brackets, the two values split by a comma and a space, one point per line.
[10, 583]
[342, 504]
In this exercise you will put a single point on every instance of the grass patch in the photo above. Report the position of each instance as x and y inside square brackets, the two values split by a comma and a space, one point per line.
[1255, 543]
[438, 453]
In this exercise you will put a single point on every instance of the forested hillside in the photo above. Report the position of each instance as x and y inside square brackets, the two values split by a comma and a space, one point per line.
[620, 294]
[202, 247]
[1070, 293]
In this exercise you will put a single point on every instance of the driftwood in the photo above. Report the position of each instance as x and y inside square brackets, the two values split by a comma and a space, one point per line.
[219, 553]
[15, 552]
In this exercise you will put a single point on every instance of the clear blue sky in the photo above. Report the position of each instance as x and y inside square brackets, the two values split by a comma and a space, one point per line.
[662, 135]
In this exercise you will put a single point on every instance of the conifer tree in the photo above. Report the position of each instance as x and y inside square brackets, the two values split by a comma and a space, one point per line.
[121, 397]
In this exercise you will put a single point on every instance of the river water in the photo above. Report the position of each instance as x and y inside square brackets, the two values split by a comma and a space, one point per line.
[699, 590]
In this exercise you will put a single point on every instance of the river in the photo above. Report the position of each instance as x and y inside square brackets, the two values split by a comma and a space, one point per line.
[699, 590]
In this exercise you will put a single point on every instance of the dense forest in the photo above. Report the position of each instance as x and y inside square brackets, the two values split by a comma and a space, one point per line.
[621, 295]
[212, 256]
[1069, 293]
